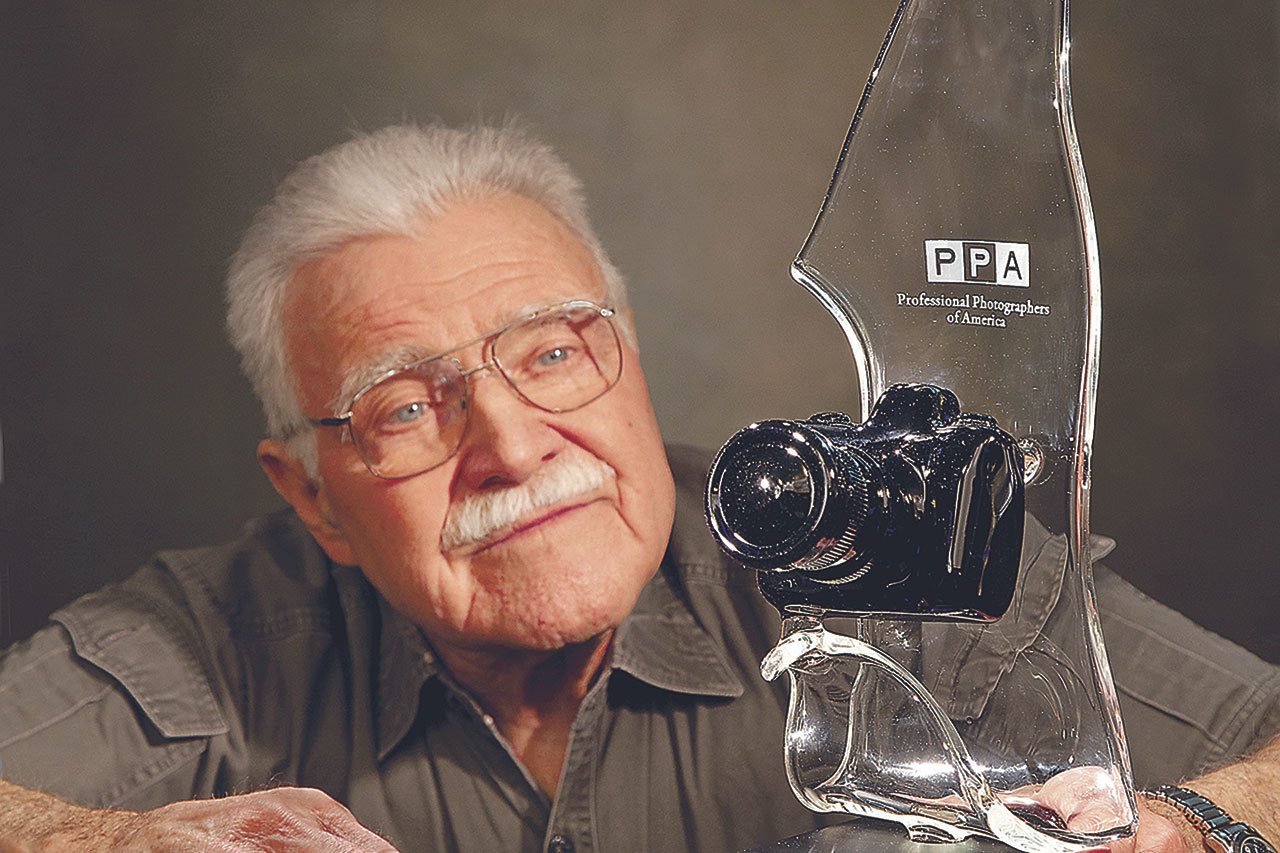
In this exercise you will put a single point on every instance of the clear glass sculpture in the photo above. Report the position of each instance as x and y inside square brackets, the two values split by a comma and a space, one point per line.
[956, 249]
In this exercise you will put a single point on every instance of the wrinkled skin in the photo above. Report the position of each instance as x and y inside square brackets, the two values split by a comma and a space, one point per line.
[281, 819]
[573, 573]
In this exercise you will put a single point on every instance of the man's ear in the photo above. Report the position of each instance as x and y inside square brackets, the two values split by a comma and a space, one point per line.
[307, 497]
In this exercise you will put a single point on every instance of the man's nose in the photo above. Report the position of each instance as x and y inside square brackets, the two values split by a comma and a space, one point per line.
[507, 439]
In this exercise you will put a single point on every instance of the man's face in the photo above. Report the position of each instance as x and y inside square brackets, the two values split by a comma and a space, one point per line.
[563, 573]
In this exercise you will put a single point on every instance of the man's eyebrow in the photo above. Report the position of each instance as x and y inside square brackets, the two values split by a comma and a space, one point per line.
[358, 377]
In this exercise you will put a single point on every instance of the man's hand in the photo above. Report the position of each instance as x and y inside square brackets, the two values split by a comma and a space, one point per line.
[1160, 832]
[280, 819]
[1248, 790]
[1087, 801]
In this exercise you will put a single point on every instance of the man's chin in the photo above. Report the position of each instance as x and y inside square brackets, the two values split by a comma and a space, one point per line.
[547, 636]
[577, 636]
[560, 612]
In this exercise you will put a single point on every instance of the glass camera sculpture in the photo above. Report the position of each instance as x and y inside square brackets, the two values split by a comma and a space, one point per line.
[930, 557]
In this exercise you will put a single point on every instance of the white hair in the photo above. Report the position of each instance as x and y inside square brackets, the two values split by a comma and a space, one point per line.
[378, 183]
[481, 516]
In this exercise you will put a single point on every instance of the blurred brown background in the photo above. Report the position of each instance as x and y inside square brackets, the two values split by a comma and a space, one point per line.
[140, 137]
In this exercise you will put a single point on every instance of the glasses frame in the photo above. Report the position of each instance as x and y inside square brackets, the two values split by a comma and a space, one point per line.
[493, 362]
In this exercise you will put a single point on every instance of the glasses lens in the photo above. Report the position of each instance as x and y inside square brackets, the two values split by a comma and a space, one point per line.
[411, 421]
[563, 360]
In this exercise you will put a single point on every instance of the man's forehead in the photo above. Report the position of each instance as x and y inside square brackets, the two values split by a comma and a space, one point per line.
[378, 303]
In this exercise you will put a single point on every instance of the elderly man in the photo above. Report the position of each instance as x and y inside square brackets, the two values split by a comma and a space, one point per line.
[492, 620]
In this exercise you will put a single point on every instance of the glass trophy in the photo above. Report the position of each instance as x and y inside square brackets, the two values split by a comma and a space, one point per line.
[930, 551]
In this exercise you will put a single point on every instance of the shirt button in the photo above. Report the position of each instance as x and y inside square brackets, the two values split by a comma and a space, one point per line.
[560, 844]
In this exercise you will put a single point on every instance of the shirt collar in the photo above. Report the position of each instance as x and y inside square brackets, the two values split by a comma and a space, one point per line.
[659, 643]
[405, 663]
[662, 644]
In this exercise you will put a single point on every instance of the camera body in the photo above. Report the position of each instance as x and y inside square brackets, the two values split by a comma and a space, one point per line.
[916, 513]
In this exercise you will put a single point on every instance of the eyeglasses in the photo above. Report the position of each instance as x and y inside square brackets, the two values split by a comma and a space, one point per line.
[413, 418]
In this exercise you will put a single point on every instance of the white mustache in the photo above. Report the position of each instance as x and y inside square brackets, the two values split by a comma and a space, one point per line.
[479, 517]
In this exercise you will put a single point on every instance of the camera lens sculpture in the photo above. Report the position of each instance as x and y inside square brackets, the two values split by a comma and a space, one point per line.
[931, 557]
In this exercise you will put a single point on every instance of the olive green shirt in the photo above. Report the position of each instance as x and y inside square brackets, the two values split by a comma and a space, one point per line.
[261, 663]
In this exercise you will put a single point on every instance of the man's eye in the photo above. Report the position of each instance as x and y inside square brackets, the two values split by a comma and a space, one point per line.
[410, 413]
[554, 356]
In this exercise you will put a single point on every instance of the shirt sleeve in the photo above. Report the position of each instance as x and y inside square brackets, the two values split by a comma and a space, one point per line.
[1190, 699]
[107, 707]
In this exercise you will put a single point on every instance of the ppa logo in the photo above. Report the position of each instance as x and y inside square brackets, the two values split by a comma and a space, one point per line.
[977, 262]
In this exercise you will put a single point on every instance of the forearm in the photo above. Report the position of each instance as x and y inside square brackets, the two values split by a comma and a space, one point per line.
[31, 820]
[278, 818]
[1248, 790]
